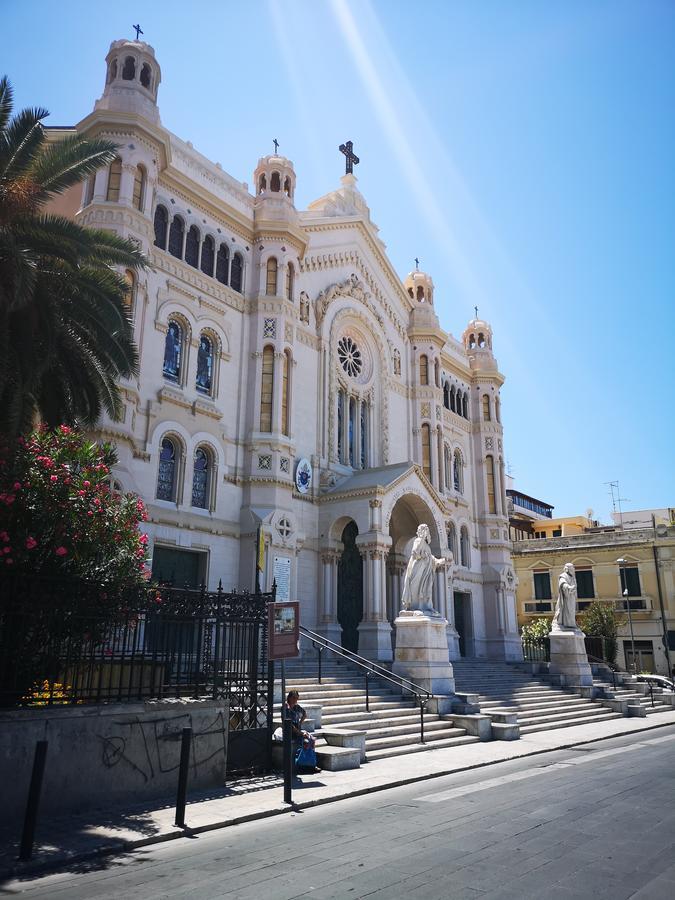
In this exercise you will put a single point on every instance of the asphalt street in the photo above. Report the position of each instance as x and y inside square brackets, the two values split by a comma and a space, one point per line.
[596, 821]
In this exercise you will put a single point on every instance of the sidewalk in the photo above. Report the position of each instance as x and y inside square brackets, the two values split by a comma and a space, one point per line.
[74, 839]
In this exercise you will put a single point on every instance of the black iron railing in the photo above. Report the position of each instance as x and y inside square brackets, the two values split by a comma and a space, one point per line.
[536, 649]
[64, 641]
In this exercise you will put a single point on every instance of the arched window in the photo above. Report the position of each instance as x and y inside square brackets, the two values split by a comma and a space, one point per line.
[437, 373]
[173, 351]
[161, 227]
[287, 187]
[114, 178]
[130, 295]
[201, 478]
[89, 190]
[464, 548]
[145, 75]
[498, 411]
[446, 395]
[275, 182]
[340, 420]
[457, 472]
[112, 71]
[129, 69]
[223, 264]
[364, 434]
[139, 187]
[285, 397]
[446, 465]
[266, 389]
[192, 246]
[351, 431]
[271, 281]
[426, 450]
[262, 183]
[204, 382]
[290, 281]
[169, 456]
[420, 293]
[465, 406]
[452, 540]
[424, 369]
[486, 408]
[452, 398]
[176, 237]
[208, 255]
[490, 474]
[237, 273]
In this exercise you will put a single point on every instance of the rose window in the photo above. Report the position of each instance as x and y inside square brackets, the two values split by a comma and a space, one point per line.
[349, 356]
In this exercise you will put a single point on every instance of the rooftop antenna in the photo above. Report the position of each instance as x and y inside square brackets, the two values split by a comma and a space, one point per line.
[616, 499]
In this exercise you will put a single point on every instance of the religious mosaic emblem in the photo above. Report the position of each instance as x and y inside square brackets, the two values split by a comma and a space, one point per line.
[349, 356]
[303, 476]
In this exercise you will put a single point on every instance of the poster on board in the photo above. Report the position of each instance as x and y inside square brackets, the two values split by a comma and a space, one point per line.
[283, 629]
[282, 577]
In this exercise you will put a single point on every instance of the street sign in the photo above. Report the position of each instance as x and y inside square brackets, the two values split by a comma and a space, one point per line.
[283, 629]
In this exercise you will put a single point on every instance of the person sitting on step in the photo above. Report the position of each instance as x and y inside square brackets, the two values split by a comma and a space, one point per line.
[303, 742]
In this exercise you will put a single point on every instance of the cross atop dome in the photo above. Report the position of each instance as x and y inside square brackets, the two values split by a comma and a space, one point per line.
[351, 159]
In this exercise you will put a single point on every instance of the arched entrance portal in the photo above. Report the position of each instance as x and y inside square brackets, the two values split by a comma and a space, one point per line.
[350, 588]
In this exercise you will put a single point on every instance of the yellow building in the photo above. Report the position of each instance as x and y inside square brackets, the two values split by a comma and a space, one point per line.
[646, 572]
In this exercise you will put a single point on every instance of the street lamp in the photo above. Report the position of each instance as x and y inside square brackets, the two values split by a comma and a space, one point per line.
[624, 593]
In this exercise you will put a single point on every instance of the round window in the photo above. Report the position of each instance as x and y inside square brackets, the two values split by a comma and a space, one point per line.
[349, 356]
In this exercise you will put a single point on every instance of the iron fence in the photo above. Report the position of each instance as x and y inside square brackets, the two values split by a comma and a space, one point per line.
[536, 649]
[64, 641]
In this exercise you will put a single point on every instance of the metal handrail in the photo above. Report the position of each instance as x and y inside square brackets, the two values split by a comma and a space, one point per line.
[422, 696]
[371, 667]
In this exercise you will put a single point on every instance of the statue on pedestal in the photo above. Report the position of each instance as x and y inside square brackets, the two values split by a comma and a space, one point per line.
[564, 617]
[419, 575]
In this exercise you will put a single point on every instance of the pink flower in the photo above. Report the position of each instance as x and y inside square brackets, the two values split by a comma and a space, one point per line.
[53, 478]
[81, 493]
[61, 551]
[64, 429]
[17, 485]
[30, 543]
[143, 539]
[86, 484]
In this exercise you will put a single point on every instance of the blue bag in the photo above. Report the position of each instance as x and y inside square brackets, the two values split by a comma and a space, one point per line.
[305, 758]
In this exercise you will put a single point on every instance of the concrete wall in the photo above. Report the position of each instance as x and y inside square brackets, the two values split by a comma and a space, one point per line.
[109, 756]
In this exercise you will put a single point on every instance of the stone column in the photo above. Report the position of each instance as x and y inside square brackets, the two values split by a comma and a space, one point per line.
[328, 624]
[374, 630]
[127, 185]
[277, 387]
[101, 186]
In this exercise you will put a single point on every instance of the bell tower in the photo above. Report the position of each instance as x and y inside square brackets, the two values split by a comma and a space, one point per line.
[132, 80]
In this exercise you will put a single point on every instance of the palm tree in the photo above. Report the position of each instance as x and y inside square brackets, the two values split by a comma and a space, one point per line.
[65, 335]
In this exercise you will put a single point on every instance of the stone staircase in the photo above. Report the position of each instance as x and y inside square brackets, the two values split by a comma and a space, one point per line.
[538, 700]
[623, 690]
[391, 726]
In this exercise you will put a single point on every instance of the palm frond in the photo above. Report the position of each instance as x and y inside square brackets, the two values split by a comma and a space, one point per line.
[6, 101]
[20, 143]
[70, 161]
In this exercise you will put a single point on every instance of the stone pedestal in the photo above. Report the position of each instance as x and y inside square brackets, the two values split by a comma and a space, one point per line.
[568, 657]
[375, 641]
[422, 652]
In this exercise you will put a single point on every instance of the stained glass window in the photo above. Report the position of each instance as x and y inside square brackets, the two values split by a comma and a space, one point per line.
[114, 178]
[166, 476]
[237, 272]
[204, 365]
[351, 434]
[426, 450]
[267, 389]
[200, 479]
[490, 472]
[349, 356]
[424, 369]
[172, 351]
[364, 437]
[192, 246]
[161, 223]
[340, 419]
[486, 408]
[208, 254]
[271, 285]
[457, 472]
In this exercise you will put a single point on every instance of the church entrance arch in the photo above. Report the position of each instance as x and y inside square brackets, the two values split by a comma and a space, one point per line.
[350, 588]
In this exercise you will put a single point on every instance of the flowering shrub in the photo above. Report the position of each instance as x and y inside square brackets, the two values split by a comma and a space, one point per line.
[58, 515]
[50, 693]
[536, 629]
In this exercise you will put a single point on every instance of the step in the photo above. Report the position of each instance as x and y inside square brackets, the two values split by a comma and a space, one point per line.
[399, 712]
[385, 753]
[545, 726]
[431, 737]
[562, 717]
[336, 759]
[405, 730]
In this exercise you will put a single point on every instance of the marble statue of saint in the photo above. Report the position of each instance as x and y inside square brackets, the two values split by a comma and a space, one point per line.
[565, 614]
[419, 576]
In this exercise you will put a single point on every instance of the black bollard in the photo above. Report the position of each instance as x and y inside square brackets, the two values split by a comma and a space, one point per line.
[30, 818]
[288, 760]
[181, 794]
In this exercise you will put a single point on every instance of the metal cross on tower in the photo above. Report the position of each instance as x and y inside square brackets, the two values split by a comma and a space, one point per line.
[351, 159]
[276, 145]
[138, 30]
[476, 311]
[417, 264]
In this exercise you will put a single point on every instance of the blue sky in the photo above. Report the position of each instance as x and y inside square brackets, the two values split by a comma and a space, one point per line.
[523, 150]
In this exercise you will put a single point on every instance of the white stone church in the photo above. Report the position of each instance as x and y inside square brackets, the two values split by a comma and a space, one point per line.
[290, 379]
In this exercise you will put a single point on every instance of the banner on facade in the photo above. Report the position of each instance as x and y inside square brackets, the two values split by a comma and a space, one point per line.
[283, 630]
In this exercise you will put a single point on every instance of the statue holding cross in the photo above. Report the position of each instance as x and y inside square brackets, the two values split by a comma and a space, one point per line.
[351, 159]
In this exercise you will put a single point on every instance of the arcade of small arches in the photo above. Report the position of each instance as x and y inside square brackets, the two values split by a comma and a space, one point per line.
[198, 251]
[275, 184]
[171, 473]
[272, 272]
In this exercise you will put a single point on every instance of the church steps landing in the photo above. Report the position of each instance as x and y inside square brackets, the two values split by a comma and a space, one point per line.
[588, 720]
[388, 752]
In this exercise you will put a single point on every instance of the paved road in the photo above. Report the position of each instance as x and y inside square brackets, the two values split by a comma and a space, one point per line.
[593, 822]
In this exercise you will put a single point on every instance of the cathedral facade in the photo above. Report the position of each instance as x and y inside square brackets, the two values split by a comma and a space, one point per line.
[290, 381]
